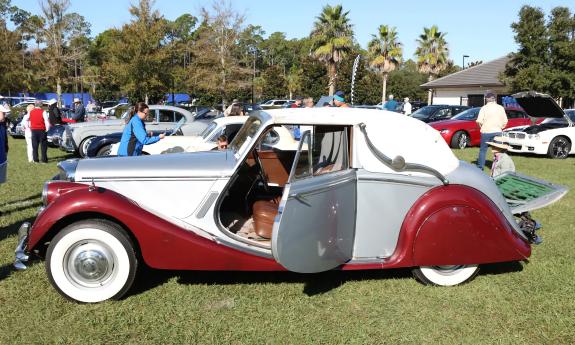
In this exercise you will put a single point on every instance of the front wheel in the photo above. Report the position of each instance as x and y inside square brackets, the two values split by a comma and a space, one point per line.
[559, 148]
[105, 150]
[445, 275]
[91, 261]
[83, 149]
[460, 140]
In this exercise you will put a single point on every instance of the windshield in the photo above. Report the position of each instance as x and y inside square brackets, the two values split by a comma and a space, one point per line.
[209, 129]
[562, 121]
[245, 135]
[425, 112]
[469, 114]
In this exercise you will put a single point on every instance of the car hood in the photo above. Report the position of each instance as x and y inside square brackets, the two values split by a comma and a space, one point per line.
[114, 122]
[181, 166]
[538, 104]
[541, 127]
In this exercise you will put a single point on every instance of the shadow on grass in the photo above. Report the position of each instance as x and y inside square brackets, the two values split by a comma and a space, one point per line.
[12, 229]
[314, 284]
[32, 197]
[501, 268]
[6, 271]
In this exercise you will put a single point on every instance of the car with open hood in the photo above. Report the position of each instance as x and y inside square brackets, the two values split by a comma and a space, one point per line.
[553, 137]
[356, 194]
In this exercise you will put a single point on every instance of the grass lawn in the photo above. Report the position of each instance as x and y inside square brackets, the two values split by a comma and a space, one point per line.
[526, 303]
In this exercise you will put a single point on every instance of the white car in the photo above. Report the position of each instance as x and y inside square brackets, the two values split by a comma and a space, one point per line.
[279, 138]
[274, 103]
[553, 137]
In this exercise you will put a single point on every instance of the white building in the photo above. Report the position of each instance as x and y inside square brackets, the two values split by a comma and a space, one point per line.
[468, 86]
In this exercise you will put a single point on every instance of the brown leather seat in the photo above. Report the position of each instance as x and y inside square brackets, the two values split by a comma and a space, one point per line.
[264, 213]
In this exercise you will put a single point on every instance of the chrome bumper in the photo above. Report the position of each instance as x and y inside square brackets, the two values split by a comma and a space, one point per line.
[20, 256]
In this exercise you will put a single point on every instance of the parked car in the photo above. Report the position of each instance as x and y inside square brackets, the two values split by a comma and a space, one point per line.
[356, 194]
[462, 131]
[108, 144]
[274, 103]
[437, 112]
[553, 137]
[77, 137]
[111, 110]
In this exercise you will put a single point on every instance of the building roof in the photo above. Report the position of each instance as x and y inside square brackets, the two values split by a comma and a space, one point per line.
[485, 74]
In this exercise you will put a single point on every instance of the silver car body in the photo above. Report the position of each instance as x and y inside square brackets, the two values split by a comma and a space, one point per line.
[164, 118]
[186, 188]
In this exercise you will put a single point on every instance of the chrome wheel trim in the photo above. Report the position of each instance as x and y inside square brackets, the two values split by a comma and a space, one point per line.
[89, 264]
[448, 270]
[85, 146]
[449, 275]
[560, 148]
[462, 142]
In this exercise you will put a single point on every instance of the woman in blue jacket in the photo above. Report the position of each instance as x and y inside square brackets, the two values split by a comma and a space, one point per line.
[135, 137]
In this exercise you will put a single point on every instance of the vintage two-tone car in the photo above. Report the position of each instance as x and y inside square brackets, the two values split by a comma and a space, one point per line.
[356, 194]
[553, 137]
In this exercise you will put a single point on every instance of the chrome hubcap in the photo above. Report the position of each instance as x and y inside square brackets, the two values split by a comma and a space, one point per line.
[462, 141]
[561, 148]
[448, 269]
[89, 264]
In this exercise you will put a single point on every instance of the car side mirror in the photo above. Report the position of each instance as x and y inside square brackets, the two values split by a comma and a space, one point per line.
[398, 163]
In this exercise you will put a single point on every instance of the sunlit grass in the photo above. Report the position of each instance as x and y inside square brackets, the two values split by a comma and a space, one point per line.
[532, 303]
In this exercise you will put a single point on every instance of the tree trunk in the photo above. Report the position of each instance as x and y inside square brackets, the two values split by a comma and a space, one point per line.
[384, 90]
[290, 95]
[59, 91]
[332, 76]
[430, 91]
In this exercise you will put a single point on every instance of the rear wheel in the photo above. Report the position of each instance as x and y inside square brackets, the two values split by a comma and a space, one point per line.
[91, 261]
[460, 140]
[559, 148]
[104, 150]
[449, 275]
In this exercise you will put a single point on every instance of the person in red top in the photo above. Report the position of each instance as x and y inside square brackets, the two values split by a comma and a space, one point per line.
[298, 102]
[39, 125]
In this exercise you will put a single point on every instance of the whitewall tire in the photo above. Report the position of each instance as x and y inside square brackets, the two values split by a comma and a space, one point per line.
[91, 261]
[445, 275]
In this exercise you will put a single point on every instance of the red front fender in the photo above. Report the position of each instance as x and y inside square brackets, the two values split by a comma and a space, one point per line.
[162, 244]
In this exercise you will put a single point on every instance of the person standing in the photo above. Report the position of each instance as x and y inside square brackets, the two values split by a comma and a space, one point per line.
[391, 104]
[39, 125]
[79, 110]
[491, 119]
[339, 100]
[3, 144]
[54, 113]
[28, 132]
[135, 136]
[406, 106]
[228, 110]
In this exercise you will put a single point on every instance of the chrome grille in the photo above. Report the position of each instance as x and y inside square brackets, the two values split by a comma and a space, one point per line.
[516, 135]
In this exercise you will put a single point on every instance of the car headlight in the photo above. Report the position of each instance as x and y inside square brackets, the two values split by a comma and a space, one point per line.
[45, 194]
[533, 136]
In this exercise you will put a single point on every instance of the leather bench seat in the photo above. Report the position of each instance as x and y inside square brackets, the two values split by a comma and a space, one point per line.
[264, 213]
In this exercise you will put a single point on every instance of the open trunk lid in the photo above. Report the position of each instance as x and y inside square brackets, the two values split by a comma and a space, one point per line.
[525, 193]
[538, 104]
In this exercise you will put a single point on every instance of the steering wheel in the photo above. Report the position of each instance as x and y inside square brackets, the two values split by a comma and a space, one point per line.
[261, 171]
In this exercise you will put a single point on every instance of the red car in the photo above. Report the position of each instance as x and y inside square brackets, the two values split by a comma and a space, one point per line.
[462, 130]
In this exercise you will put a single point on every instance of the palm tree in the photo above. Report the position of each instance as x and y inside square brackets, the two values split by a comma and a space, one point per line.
[332, 37]
[385, 53]
[432, 53]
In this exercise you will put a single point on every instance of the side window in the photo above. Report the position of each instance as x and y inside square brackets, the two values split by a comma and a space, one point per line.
[443, 113]
[178, 116]
[231, 131]
[166, 115]
[514, 114]
[151, 116]
[323, 151]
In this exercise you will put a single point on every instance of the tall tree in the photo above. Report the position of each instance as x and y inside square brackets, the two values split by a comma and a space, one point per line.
[385, 53]
[561, 29]
[432, 53]
[332, 37]
[294, 81]
[222, 27]
[528, 67]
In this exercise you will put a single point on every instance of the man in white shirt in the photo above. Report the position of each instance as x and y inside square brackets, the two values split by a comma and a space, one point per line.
[491, 119]
[406, 106]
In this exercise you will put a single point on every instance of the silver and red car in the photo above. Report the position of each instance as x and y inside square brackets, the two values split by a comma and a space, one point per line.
[356, 194]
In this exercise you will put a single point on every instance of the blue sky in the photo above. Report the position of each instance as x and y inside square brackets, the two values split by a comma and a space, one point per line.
[480, 29]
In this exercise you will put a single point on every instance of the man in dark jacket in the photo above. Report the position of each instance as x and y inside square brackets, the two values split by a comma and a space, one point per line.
[79, 110]
[54, 113]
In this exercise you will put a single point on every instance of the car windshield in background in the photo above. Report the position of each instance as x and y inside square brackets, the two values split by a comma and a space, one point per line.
[108, 104]
[245, 135]
[209, 130]
[571, 114]
[467, 115]
[561, 121]
[424, 112]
